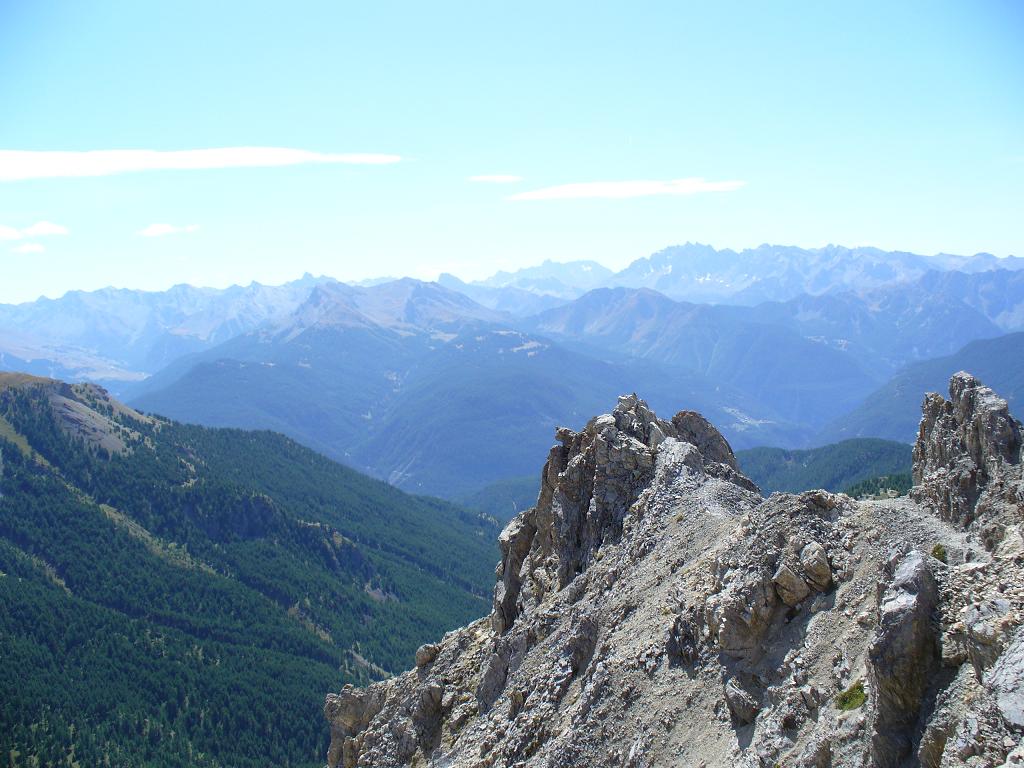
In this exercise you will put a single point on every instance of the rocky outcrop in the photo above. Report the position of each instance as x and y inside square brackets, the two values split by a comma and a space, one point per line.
[967, 458]
[653, 609]
[1006, 681]
[349, 714]
[902, 658]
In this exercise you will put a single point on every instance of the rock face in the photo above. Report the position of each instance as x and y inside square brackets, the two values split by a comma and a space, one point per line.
[967, 459]
[653, 609]
[902, 658]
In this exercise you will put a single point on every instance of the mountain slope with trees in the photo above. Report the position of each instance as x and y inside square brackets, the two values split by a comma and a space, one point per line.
[833, 467]
[172, 595]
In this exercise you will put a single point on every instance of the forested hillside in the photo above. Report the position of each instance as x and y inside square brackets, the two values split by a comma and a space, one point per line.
[172, 595]
[832, 467]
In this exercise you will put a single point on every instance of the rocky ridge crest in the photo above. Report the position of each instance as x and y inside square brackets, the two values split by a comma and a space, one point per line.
[653, 609]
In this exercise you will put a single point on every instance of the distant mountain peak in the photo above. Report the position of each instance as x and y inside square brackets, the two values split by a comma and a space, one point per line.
[563, 279]
[405, 304]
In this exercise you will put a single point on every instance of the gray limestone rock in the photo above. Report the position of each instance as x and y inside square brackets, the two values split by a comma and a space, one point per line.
[814, 561]
[426, 653]
[651, 570]
[743, 698]
[903, 656]
[791, 588]
[967, 458]
[1006, 680]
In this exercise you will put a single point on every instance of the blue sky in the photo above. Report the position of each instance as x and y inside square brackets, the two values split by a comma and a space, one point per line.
[899, 125]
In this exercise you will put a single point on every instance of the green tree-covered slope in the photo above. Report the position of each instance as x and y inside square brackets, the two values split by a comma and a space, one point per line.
[172, 595]
[832, 467]
[899, 483]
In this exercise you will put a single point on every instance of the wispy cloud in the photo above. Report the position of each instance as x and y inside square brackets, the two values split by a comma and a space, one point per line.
[497, 178]
[17, 165]
[624, 189]
[39, 229]
[160, 230]
[43, 229]
[29, 248]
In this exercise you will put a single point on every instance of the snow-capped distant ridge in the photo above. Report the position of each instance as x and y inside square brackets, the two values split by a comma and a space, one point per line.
[699, 272]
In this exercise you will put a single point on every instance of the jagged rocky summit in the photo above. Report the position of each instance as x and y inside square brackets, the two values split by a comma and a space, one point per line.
[653, 609]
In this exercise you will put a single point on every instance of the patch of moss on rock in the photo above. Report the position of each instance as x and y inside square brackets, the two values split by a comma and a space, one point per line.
[852, 698]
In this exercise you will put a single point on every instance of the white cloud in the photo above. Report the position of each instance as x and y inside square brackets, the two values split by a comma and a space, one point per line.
[16, 165]
[39, 229]
[497, 178]
[29, 248]
[44, 228]
[159, 230]
[624, 189]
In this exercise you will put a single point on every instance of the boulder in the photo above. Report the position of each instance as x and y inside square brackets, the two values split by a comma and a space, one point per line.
[902, 658]
[426, 653]
[814, 561]
[791, 588]
[743, 699]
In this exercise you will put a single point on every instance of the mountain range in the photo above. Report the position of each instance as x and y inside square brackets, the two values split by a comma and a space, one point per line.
[155, 573]
[778, 345]
[700, 273]
[379, 377]
[560, 280]
[118, 335]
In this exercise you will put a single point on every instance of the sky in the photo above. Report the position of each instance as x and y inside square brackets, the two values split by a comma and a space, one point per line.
[146, 144]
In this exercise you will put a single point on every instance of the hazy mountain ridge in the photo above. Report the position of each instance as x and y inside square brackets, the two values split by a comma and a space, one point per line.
[565, 280]
[884, 413]
[517, 302]
[886, 328]
[998, 294]
[124, 334]
[802, 378]
[811, 357]
[379, 377]
[360, 372]
[703, 274]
